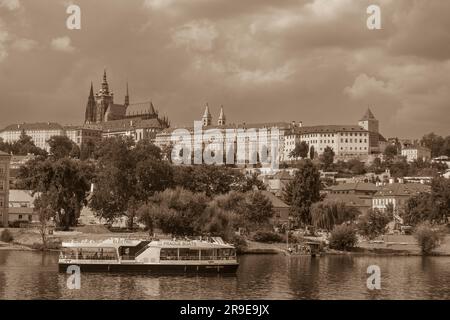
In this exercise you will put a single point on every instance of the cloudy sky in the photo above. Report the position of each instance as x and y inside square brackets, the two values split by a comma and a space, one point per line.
[265, 60]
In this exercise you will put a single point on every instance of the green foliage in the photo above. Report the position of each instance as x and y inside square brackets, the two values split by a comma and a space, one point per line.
[343, 237]
[327, 214]
[62, 146]
[258, 208]
[327, 158]
[210, 179]
[239, 243]
[438, 145]
[312, 153]
[431, 207]
[390, 152]
[267, 237]
[305, 191]
[428, 238]
[374, 223]
[300, 151]
[63, 183]
[6, 236]
[22, 147]
[127, 175]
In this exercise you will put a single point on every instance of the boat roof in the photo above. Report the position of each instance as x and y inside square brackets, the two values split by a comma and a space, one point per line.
[118, 242]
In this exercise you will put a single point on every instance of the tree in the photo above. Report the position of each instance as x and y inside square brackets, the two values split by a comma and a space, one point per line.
[431, 207]
[64, 184]
[327, 214]
[327, 158]
[312, 153]
[248, 182]
[210, 179]
[22, 147]
[390, 152]
[343, 237]
[258, 208]
[301, 150]
[374, 223]
[87, 149]
[428, 238]
[126, 175]
[62, 146]
[435, 143]
[43, 205]
[305, 191]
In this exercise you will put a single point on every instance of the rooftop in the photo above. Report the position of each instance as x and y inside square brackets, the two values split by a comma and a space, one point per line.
[402, 189]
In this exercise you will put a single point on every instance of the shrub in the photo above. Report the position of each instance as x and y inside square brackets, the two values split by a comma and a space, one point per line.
[373, 223]
[239, 243]
[267, 236]
[427, 238]
[6, 236]
[343, 237]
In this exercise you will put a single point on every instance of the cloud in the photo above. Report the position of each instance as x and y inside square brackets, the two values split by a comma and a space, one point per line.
[10, 4]
[24, 45]
[365, 85]
[196, 35]
[62, 44]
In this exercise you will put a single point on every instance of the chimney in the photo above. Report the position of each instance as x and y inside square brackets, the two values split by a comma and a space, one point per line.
[300, 124]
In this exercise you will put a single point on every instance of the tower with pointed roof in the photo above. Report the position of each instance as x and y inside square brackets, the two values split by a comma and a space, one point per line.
[90, 107]
[207, 118]
[369, 122]
[222, 120]
[127, 97]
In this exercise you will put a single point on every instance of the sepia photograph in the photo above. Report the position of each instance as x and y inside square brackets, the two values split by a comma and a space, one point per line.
[205, 151]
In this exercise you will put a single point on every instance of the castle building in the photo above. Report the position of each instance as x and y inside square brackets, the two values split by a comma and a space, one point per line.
[138, 120]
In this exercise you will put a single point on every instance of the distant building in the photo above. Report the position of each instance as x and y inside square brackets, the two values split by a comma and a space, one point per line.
[16, 163]
[413, 153]
[4, 187]
[40, 133]
[280, 208]
[21, 207]
[396, 194]
[347, 141]
[363, 204]
[357, 188]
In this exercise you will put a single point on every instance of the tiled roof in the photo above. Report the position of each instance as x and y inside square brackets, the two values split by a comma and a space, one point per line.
[368, 115]
[402, 189]
[126, 124]
[357, 186]
[328, 129]
[276, 202]
[34, 126]
[348, 199]
[21, 196]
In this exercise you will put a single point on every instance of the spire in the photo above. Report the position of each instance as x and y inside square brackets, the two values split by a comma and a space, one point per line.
[368, 115]
[207, 118]
[105, 82]
[222, 119]
[152, 108]
[127, 97]
[91, 94]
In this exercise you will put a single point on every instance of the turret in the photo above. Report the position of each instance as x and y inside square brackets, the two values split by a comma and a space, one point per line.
[207, 118]
[222, 120]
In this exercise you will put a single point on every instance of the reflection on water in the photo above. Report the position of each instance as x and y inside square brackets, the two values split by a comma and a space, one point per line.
[32, 275]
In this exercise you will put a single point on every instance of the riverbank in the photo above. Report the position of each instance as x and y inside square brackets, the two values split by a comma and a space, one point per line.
[397, 245]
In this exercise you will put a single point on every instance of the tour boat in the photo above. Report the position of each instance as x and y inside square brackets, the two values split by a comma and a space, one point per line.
[210, 255]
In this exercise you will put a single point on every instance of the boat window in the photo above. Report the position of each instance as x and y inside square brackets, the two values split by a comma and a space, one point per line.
[169, 254]
[226, 254]
[89, 253]
[188, 254]
[207, 254]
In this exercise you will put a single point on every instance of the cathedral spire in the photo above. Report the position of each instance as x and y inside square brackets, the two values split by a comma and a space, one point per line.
[91, 94]
[127, 97]
[105, 82]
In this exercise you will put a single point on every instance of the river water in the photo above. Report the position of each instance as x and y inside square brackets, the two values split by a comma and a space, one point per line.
[33, 275]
